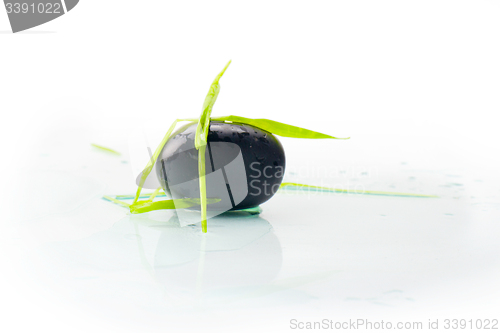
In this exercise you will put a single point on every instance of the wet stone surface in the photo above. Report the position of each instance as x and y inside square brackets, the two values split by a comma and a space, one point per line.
[250, 161]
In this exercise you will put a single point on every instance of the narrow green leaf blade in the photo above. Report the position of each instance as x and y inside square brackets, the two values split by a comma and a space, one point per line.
[204, 122]
[347, 191]
[200, 141]
[278, 128]
[145, 206]
[152, 161]
[105, 149]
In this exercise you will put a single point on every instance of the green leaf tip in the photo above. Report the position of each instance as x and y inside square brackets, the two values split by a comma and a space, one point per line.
[206, 111]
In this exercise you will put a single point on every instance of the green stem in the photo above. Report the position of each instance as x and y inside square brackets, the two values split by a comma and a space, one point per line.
[337, 190]
[200, 141]
[203, 187]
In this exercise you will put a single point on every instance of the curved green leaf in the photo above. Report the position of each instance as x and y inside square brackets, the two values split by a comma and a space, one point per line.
[204, 122]
[278, 128]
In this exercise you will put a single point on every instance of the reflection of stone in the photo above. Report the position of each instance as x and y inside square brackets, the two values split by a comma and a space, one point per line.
[235, 253]
[239, 250]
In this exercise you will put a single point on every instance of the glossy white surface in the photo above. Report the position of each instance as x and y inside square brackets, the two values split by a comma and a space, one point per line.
[415, 85]
[308, 256]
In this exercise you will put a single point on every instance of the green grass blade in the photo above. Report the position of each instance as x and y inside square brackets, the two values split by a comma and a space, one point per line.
[145, 206]
[337, 190]
[278, 128]
[154, 194]
[118, 202]
[204, 121]
[105, 149]
[200, 141]
[152, 161]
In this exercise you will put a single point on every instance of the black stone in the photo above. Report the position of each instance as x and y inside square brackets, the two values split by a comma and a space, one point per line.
[263, 161]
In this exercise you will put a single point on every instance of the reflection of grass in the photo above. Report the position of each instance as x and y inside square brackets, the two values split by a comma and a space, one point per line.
[105, 149]
[312, 188]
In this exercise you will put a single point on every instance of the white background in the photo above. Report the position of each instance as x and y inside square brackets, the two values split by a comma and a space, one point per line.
[413, 82]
